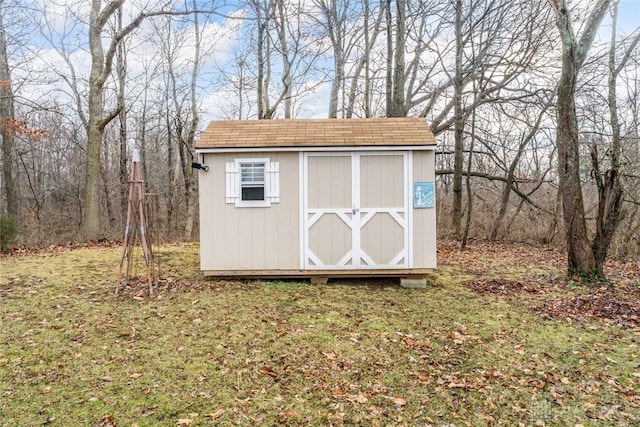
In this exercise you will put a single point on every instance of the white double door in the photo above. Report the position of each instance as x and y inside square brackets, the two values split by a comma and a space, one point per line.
[356, 210]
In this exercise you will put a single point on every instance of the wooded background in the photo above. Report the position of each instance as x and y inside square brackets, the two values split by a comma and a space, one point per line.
[534, 105]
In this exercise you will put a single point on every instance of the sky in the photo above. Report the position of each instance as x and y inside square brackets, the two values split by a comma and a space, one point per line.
[68, 27]
[629, 15]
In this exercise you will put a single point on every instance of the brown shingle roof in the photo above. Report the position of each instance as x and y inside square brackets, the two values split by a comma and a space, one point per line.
[316, 133]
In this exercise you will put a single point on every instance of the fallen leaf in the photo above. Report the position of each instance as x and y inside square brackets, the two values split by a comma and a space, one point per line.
[486, 417]
[332, 355]
[215, 415]
[339, 393]
[184, 421]
[361, 399]
[258, 418]
[454, 384]
[399, 401]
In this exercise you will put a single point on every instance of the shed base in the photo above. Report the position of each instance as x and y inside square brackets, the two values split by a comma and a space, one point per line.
[319, 276]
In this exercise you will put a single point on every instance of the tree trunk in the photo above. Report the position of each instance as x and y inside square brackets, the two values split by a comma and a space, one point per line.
[111, 215]
[189, 177]
[472, 137]
[397, 97]
[580, 258]
[262, 46]
[286, 62]
[91, 212]
[364, 63]
[90, 227]
[335, 29]
[9, 179]
[171, 169]
[610, 191]
[458, 132]
[389, 69]
[367, 62]
[122, 135]
[189, 191]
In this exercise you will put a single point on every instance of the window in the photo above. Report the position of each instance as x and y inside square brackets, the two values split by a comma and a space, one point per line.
[252, 182]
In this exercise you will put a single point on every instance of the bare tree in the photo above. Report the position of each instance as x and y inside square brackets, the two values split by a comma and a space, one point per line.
[370, 32]
[7, 126]
[186, 147]
[459, 121]
[352, 30]
[101, 67]
[333, 18]
[395, 60]
[487, 45]
[581, 260]
[610, 190]
[121, 71]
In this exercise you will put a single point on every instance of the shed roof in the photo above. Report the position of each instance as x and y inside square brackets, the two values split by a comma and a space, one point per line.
[316, 133]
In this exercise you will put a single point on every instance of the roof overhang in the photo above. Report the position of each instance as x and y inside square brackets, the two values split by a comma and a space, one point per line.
[307, 149]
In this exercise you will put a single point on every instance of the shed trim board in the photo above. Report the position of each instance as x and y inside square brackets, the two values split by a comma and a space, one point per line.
[310, 149]
[294, 274]
[355, 216]
[407, 192]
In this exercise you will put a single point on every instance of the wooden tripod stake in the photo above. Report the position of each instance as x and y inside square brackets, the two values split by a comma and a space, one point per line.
[136, 225]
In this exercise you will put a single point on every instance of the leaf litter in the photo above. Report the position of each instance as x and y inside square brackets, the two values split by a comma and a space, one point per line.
[611, 305]
[616, 304]
[246, 352]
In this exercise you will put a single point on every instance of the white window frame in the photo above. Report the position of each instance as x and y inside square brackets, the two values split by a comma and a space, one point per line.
[233, 177]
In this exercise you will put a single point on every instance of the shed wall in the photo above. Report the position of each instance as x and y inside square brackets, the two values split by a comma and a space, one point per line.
[424, 220]
[236, 238]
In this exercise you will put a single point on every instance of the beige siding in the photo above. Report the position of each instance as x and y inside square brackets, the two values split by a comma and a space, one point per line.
[249, 238]
[381, 181]
[424, 220]
[329, 182]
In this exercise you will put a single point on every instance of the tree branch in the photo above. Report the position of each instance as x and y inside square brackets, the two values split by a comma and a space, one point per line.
[590, 30]
[112, 115]
[106, 13]
[514, 188]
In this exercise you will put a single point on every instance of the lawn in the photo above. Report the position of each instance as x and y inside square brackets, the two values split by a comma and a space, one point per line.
[497, 338]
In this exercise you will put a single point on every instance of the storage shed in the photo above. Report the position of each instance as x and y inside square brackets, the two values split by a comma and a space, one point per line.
[317, 198]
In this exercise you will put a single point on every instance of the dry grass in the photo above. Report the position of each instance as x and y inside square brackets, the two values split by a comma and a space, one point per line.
[202, 352]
